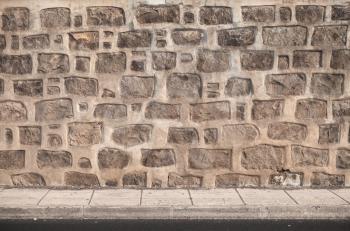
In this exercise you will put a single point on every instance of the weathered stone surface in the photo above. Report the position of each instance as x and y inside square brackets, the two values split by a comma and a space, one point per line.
[263, 156]
[2, 86]
[84, 133]
[132, 135]
[183, 135]
[184, 181]
[33, 87]
[134, 38]
[8, 136]
[163, 60]
[16, 64]
[30, 135]
[285, 84]
[264, 14]
[40, 41]
[157, 110]
[307, 59]
[236, 37]
[327, 180]
[211, 135]
[2, 42]
[311, 109]
[52, 18]
[267, 109]
[219, 110]
[340, 12]
[287, 179]
[341, 108]
[215, 15]
[84, 163]
[112, 158]
[188, 17]
[327, 84]
[81, 86]
[236, 86]
[309, 14]
[239, 133]
[12, 159]
[135, 179]
[86, 40]
[213, 60]
[157, 157]
[343, 158]
[137, 87]
[54, 140]
[200, 158]
[137, 65]
[53, 63]
[306, 156]
[105, 16]
[283, 62]
[184, 86]
[12, 111]
[158, 14]
[329, 134]
[340, 59]
[230, 180]
[285, 14]
[257, 60]
[110, 111]
[282, 36]
[54, 159]
[28, 179]
[287, 131]
[329, 36]
[78, 179]
[82, 64]
[187, 36]
[15, 19]
[53, 109]
[110, 62]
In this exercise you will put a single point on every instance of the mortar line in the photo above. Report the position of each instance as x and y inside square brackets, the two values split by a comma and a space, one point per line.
[189, 194]
[43, 196]
[92, 194]
[141, 197]
[240, 197]
[339, 196]
[295, 201]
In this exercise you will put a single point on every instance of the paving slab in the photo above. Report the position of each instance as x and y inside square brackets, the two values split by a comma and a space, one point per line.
[21, 197]
[343, 193]
[116, 197]
[165, 198]
[315, 197]
[67, 197]
[215, 197]
[265, 197]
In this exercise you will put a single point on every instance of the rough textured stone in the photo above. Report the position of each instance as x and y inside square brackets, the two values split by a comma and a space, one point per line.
[215, 15]
[239, 133]
[112, 158]
[329, 36]
[343, 158]
[285, 84]
[309, 14]
[53, 109]
[81, 180]
[132, 135]
[184, 86]
[341, 108]
[327, 84]
[84, 163]
[258, 14]
[54, 140]
[8, 136]
[12, 159]
[54, 159]
[158, 14]
[285, 14]
[210, 135]
[135, 179]
[134, 38]
[16, 64]
[81, 86]
[84, 133]
[307, 59]
[28, 179]
[340, 59]
[287, 179]
[30, 135]
[2, 42]
[283, 62]
[267, 109]
[137, 65]
[53, 18]
[236, 37]
[86, 40]
[187, 36]
[329, 134]
[105, 16]
[183, 135]
[213, 60]
[287, 131]
[110, 62]
[163, 60]
[258, 60]
[33, 87]
[184, 181]
[236, 86]
[200, 158]
[15, 19]
[137, 87]
[263, 156]
[53, 63]
[12, 111]
[40, 41]
[341, 12]
[201, 112]
[82, 64]
[110, 111]
[157, 110]
[306, 156]
[311, 109]
[230, 180]
[283, 36]
[327, 180]
[157, 157]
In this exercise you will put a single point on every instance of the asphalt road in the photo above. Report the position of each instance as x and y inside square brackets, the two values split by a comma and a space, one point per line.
[169, 225]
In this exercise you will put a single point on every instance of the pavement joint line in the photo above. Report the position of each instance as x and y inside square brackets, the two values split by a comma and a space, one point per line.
[42, 198]
[141, 197]
[295, 201]
[92, 194]
[339, 196]
[240, 196]
[189, 194]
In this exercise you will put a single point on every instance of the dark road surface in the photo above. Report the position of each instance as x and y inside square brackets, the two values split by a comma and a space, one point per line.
[169, 225]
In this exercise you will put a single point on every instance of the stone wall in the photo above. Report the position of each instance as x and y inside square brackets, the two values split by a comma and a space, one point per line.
[185, 94]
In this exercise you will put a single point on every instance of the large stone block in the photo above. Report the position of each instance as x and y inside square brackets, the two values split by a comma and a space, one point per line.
[105, 16]
[12, 159]
[340, 59]
[137, 87]
[30, 135]
[53, 63]
[187, 36]
[309, 14]
[322, 179]
[15, 19]
[201, 112]
[157, 110]
[32, 87]
[158, 14]
[84, 133]
[86, 40]
[236, 86]
[54, 159]
[16, 64]
[340, 12]
[237, 37]
[52, 18]
[307, 156]
[329, 133]
[184, 86]
[40, 41]
[132, 135]
[12, 111]
[135, 179]
[230, 180]
[341, 108]
[267, 109]
[258, 14]
[112, 158]
[28, 179]
[343, 158]
[81, 180]
[157, 157]
[209, 61]
[330, 36]
[200, 158]
[239, 133]
[183, 135]
[184, 181]
[287, 131]
[327, 84]
[110, 62]
[307, 59]
[311, 109]
[282, 36]
[53, 109]
[285, 84]
[134, 38]
[257, 60]
[163, 60]
[110, 111]
[81, 86]
[215, 15]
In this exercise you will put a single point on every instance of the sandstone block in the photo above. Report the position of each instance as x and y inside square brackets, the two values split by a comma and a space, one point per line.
[134, 38]
[54, 159]
[33, 87]
[340, 59]
[327, 84]
[158, 14]
[81, 180]
[230, 180]
[40, 41]
[287, 131]
[184, 181]
[84, 133]
[110, 62]
[213, 60]
[187, 36]
[132, 135]
[267, 109]
[137, 87]
[157, 110]
[211, 135]
[329, 36]
[184, 86]
[322, 179]
[12, 111]
[183, 135]
[236, 86]
[110, 111]
[12, 159]
[340, 12]
[219, 110]
[16, 64]
[311, 109]
[215, 15]
[257, 60]
[28, 179]
[30, 135]
[15, 19]
[53, 63]
[52, 18]
[163, 60]
[306, 156]
[237, 37]
[135, 179]
[105, 16]
[329, 134]
[200, 158]
[239, 133]
[309, 14]
[86, 40]
[157, 157]
[258, 14]
[285, 84]
[282, 36]
[112, 158]
[53, 109]
[307, 59]
[343, 158]
[81, 86]
[287, 179]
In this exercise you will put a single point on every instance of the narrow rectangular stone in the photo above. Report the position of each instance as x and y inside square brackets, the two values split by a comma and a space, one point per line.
[21, 197]
[165, 198]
